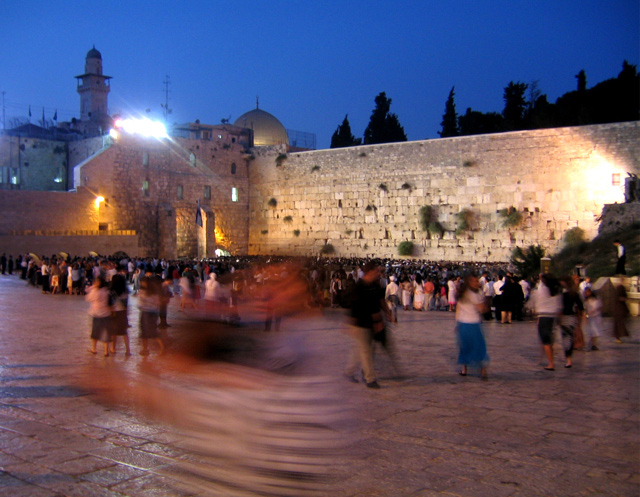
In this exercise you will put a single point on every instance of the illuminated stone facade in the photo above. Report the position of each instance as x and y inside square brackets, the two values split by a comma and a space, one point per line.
[366, 200]
[154, 186]
[363, 200]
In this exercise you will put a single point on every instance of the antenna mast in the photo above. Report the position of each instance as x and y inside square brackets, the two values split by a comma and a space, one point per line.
[165, 107]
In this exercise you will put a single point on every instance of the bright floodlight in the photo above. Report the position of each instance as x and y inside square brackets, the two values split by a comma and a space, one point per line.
[144, 127]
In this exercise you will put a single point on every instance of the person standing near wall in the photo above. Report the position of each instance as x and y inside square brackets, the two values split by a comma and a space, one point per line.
[391, 296]
[620, 313]
[548, 305]
[367, 314]
[100, 311]
[569, 320]
[622, 258]
[593, 311]
[120, 299]
[149, 305]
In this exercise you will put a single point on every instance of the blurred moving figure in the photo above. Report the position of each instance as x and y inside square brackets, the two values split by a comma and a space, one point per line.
[593, 311]
[368, 313]
[256, 417]
[469, 310]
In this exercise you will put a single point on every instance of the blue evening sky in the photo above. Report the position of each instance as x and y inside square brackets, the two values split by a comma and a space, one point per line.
[310, 62]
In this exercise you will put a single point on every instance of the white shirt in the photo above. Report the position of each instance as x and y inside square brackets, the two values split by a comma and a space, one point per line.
[467, 310]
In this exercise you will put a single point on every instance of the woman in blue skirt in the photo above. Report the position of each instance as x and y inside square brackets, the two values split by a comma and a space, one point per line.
[470, 308]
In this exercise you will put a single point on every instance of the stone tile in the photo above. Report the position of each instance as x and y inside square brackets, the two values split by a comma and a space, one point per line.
[135, 458]
[113, 475]
[82, 465]
[159, 486]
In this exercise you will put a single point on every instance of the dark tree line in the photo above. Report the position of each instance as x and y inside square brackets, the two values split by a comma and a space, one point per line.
[525, 107]
[383, 127]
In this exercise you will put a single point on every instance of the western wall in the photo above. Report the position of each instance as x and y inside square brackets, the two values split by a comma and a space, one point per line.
[490, 193]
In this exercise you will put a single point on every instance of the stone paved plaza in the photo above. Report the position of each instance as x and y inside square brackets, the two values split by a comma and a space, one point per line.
[525, 432]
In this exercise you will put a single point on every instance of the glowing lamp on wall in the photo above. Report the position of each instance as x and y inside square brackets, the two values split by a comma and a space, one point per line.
[99, 200]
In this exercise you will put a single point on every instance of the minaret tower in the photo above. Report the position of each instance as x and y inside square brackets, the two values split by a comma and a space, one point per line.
[93, 87]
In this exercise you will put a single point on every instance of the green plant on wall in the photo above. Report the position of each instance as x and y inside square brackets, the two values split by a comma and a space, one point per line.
[280, 159]
[511, 217]
[315, 168]
[574, 237]
[348, 231]
[264, 232]
[383, 187]
[327, 249]
[296, 232]
[287, 219]
[272, 202]
[467, 221]
[406, 186]
[405, 248]
[428, 220]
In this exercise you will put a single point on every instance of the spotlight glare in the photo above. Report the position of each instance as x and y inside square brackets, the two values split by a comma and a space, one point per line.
[144, 127]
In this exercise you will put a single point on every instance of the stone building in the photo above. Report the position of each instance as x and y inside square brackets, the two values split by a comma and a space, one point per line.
[153, 186]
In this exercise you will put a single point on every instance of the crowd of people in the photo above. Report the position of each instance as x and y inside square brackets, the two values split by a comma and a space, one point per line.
[373, 290]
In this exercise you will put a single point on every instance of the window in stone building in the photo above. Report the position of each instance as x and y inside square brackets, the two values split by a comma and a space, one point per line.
[233, 168]
[234, 194]
[15, 176]
[180, 192]
[145, 188]
[206, 135]
[145, 158]
[4, 175]
[219, 137]
[207, 192]
[233, 140]
[192, 159]
[615, 179]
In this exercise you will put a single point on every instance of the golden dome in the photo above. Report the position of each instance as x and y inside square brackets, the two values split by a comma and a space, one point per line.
[267, 130]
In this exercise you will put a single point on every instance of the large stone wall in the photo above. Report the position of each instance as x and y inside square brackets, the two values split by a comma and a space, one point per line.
[47, 211]
[366, 200]
[50, 222]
